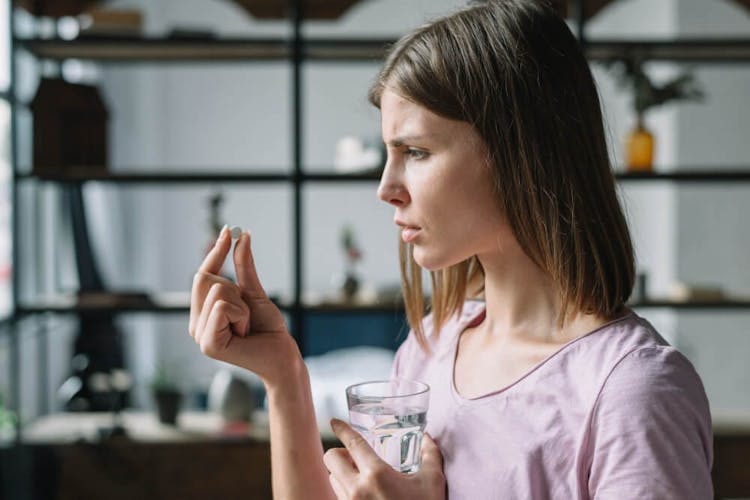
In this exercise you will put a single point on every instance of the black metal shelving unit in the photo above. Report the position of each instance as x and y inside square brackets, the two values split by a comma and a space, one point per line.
[299, 50]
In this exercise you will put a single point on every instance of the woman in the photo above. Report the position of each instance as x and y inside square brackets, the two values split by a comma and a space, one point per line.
[547, 387]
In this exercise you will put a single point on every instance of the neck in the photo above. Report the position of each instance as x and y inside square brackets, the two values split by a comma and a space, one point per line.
[522, 303]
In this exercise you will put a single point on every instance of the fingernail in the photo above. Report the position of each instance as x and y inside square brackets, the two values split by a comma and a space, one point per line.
[223, 232]
[335, 424]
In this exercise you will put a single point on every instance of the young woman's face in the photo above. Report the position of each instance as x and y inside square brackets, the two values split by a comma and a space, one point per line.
[437, 178]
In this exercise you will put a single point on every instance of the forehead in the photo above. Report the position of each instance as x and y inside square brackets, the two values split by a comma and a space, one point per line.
[402, 117]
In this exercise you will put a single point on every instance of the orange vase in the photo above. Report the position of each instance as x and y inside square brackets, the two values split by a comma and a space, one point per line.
[640, 149]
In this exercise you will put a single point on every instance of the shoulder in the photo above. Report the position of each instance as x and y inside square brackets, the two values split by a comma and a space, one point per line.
[641, 372]
[641, 363]
[653, 377]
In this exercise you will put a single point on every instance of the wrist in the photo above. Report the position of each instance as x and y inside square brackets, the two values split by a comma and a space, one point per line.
[291, 371]
[291, 394]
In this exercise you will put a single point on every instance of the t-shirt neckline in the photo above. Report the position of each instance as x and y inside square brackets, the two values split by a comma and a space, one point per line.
[476, 319]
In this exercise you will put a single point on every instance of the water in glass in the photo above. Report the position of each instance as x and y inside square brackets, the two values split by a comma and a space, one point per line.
[394, 432]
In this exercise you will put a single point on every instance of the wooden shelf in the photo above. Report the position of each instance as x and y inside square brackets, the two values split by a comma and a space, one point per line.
[703, 50]
[179, 302]
[687, 175]
[369, 176]
[144, 49]
[173, 302]
[139, 49]
[166, 302]
[79, 175]
[172, 176]
[717, 305]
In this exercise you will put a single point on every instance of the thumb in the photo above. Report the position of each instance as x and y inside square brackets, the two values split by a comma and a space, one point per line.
[244, 265]
[432, 459]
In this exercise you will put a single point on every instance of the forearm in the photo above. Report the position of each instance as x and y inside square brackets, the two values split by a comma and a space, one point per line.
[297, 465]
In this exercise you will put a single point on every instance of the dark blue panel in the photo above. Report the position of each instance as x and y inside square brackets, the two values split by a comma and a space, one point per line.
[336, 330]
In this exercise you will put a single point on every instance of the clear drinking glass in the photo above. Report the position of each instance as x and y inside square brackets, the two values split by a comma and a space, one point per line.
[391, 415]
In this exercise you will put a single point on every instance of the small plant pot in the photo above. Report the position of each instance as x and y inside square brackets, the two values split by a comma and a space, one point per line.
[167, 405]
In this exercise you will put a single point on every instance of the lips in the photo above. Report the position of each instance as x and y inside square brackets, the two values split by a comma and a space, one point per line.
[408, 232]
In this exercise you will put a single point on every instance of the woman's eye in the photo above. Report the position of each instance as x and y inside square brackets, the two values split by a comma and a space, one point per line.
[416, 154]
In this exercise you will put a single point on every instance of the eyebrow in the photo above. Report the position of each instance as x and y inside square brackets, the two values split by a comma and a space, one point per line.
[400, 141]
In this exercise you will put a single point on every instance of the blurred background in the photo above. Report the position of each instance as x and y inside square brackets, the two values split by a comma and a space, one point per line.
[132, 130]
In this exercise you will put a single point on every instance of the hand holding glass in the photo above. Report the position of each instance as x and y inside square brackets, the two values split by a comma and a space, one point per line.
[391, 415]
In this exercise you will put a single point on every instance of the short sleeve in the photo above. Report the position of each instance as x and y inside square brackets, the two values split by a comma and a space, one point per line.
[650, 435]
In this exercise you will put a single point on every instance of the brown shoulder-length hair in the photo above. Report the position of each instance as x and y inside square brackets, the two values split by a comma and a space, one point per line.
[513, 70]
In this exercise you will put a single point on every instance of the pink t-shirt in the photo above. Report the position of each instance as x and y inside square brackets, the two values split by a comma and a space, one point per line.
[615, 414]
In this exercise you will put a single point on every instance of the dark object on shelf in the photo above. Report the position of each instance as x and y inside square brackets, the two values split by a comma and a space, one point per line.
[311, 9]
[99, 341]
[55, 8]
[167, 395]
[70, 126]
[168, 405]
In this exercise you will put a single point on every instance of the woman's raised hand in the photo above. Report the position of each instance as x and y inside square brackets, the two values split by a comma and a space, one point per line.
[237, 322]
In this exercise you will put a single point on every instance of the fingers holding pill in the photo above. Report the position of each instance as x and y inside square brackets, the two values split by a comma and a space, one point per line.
[202, 283]
[219, 292]
[236, 322]
[244, 265]
[209, 273]
[215, 258]
[224, 321]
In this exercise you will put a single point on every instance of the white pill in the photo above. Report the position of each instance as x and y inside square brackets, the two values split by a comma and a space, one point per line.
[235, 231]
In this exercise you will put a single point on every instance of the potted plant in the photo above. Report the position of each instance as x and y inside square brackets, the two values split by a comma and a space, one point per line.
[647, 95]
[167, 396]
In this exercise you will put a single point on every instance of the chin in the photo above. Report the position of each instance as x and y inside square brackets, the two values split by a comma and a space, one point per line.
[431, 262]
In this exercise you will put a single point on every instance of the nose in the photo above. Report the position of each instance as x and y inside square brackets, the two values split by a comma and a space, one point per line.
[391, 189]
